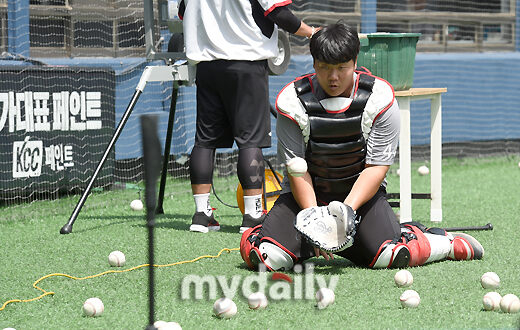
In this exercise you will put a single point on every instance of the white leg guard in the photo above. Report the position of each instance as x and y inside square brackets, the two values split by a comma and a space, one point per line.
[274, 257]
[440, 247]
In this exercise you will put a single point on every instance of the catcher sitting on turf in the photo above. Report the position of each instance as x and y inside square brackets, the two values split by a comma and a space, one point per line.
[343, 123]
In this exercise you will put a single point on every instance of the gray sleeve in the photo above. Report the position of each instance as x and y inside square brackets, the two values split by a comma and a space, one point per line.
[290, 139]
[384, 137]
[290, 145]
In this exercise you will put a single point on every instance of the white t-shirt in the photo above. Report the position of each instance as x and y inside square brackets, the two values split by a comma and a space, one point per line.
[226, 29]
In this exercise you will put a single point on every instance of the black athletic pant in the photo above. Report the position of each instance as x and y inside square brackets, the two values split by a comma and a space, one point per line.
[378, 224]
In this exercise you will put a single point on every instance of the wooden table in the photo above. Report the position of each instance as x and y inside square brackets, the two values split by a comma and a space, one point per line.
[404, 99]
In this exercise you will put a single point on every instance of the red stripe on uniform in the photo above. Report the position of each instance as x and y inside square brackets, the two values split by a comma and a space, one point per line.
[276, 5]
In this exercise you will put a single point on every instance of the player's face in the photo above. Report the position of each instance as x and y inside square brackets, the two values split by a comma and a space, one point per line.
[335, 79]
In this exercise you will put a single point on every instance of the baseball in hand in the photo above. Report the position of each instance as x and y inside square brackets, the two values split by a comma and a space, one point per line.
[93, 307]
[403, 278]
[490, 280]
[224, 308]
[491, 301]
[324, 297]
[257, 300]
[510, 303]
[410, 299]
[116, 259]
[297, 166]
[136, 205]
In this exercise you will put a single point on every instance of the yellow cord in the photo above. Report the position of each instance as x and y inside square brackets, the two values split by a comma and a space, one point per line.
[46, 293]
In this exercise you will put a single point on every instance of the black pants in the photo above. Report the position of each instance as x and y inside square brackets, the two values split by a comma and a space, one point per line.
[378, 224]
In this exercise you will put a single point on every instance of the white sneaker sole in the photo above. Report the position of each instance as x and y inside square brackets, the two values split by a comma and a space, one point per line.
[199, 228]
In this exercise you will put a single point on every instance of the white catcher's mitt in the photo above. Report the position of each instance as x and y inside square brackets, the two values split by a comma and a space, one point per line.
[330, 228]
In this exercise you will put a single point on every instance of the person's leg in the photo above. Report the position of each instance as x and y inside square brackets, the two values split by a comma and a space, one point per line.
[245, 95]
[381, 242]
[378, 226]
[212, 131]
[250, 169]
[276, 243]
[201, 174]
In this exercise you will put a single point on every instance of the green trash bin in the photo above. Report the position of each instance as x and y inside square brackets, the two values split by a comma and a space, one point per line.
[390, 56]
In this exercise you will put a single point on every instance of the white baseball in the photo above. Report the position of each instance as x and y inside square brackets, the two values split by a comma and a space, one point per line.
[510, 303]
[398, 172]
[403, 278]
[116, 259]
[93, 307]
[491, 301]
[297, 166]
[410, 299]
[163, 325]
[423, 170]
[490, 280]
[224, 308]
[257, 300]
[136, 205]
[324, 297]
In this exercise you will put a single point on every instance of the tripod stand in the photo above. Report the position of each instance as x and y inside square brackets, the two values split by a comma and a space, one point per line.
[176, 72]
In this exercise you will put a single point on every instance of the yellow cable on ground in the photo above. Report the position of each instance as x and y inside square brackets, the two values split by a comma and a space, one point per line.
[47, 293]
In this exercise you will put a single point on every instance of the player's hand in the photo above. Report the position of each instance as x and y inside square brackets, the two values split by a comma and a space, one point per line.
[326, 255]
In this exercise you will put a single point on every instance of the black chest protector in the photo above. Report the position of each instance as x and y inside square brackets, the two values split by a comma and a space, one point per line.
[336, 149]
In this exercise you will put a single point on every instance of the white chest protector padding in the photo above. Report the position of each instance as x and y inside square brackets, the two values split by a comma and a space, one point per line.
[289, 104]
[381, 98]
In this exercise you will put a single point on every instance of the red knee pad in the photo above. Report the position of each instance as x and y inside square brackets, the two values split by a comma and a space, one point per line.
[247, 243]
[419, 248]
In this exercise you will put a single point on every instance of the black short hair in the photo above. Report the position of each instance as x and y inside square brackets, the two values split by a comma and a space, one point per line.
[335, 43]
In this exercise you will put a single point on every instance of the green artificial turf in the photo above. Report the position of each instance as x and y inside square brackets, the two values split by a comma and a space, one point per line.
[475, 192]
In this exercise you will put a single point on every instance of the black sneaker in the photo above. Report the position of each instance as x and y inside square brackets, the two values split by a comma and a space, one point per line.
[248, 222]
[202, 223]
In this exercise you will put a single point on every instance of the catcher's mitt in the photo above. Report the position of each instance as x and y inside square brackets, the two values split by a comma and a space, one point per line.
[330, 228]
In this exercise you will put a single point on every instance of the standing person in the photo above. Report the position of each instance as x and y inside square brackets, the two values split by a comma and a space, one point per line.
[345, 123]
[231, 41]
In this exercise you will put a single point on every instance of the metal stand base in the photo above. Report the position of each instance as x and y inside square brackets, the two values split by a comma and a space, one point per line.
[173, 73]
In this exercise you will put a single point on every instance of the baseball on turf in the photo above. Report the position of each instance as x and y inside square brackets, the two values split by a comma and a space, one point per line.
[136, 205]
[325, 297]
[224, 308]
[93, 307]
[490, 280]
[403, 278]
[116, 259]
[410, 299]
[257, 300]
[163, 325]
[510, 303]
[297, 166]
[491, 301]
[423, 170]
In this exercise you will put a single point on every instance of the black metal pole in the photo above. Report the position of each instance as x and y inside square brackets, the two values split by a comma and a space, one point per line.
[488, 226]
[67, 228]
[167, 147]
[151, 155]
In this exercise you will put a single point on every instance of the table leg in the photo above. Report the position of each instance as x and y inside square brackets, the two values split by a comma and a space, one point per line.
[436, 159]
[405, 198]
